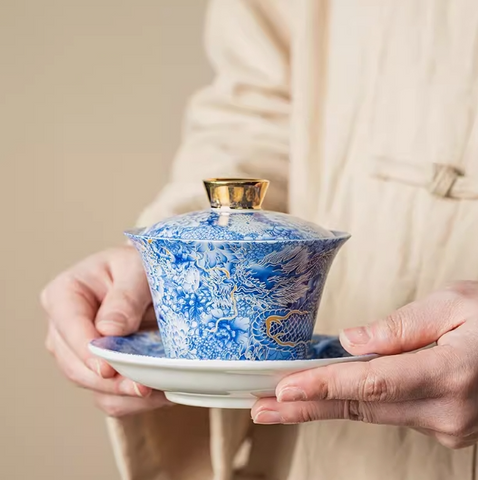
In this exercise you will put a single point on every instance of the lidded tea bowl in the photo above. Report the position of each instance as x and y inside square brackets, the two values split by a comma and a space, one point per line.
[235, 282]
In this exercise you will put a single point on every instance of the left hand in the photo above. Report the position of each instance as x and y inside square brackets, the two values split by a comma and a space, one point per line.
[434, 390]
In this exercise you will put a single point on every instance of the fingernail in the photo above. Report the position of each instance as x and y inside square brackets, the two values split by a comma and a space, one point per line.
[137, 390]
[109, 326]
[357, 336]
[128, 387]
[268, 417]
[291, 394]
[94, 365]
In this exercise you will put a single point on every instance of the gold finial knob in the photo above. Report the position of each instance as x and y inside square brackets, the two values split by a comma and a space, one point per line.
[236, 193]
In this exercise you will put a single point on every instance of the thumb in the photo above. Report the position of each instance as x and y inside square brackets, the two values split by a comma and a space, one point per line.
[411, 327]
[124, 307]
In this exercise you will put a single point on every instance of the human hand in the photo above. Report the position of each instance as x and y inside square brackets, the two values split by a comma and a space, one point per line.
[105, 294]
[434, 390]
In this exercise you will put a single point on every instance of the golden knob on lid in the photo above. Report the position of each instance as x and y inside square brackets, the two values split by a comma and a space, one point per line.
[236, 193]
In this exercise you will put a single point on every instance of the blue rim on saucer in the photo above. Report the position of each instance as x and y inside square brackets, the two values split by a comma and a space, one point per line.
[149, 344]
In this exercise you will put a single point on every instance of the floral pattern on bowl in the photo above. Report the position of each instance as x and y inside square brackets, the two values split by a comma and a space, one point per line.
[236, 284]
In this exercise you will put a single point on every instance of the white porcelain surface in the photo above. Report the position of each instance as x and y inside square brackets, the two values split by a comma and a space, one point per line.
[209, 383]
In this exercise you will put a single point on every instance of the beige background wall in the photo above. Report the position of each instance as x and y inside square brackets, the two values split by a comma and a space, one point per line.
[90, 100]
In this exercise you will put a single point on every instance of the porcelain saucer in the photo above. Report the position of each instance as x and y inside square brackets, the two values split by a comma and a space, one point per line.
[210, 383]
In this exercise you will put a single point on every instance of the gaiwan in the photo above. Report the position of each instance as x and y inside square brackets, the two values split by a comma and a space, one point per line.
[235, 282]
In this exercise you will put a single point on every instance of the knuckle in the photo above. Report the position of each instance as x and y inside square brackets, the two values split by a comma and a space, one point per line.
[394, 324]
[114, 411]
[123, 305]
[463, 384]
[374, 388]
[109, 407]
[358, 411]
[129, 302]
[321, 386]
[305, 413]
[459, 427]
[451, 442]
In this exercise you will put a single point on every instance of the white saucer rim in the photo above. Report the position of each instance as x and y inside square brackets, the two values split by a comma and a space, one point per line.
[240, 365]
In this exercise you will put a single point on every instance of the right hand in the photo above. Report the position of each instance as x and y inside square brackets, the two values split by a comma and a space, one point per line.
[105, 294]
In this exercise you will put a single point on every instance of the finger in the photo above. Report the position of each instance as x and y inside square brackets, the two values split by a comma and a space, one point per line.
[115, 406]
[72, 308]
[411, 414]
[79, 374]
[412, 327]
[386, 379]
[449, 441]
[126, 302]
[453, 442]
[49, 343]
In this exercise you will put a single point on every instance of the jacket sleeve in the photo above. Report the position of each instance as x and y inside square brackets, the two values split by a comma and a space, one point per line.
[239, 125]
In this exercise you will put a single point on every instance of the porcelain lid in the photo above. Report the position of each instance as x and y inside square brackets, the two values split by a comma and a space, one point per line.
[235, 215]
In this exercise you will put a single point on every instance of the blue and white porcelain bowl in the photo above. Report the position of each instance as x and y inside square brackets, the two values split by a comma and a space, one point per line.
[235, 282]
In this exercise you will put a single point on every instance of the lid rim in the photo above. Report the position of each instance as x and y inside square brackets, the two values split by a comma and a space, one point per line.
[337, 235]
[242, 181]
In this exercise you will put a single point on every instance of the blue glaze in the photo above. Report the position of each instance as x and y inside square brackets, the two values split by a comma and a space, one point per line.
[244, 225]
[150, 344]
[236, 284]
[237, 300]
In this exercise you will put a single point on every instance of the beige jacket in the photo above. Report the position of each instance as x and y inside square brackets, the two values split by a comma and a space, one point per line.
[363, 114]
